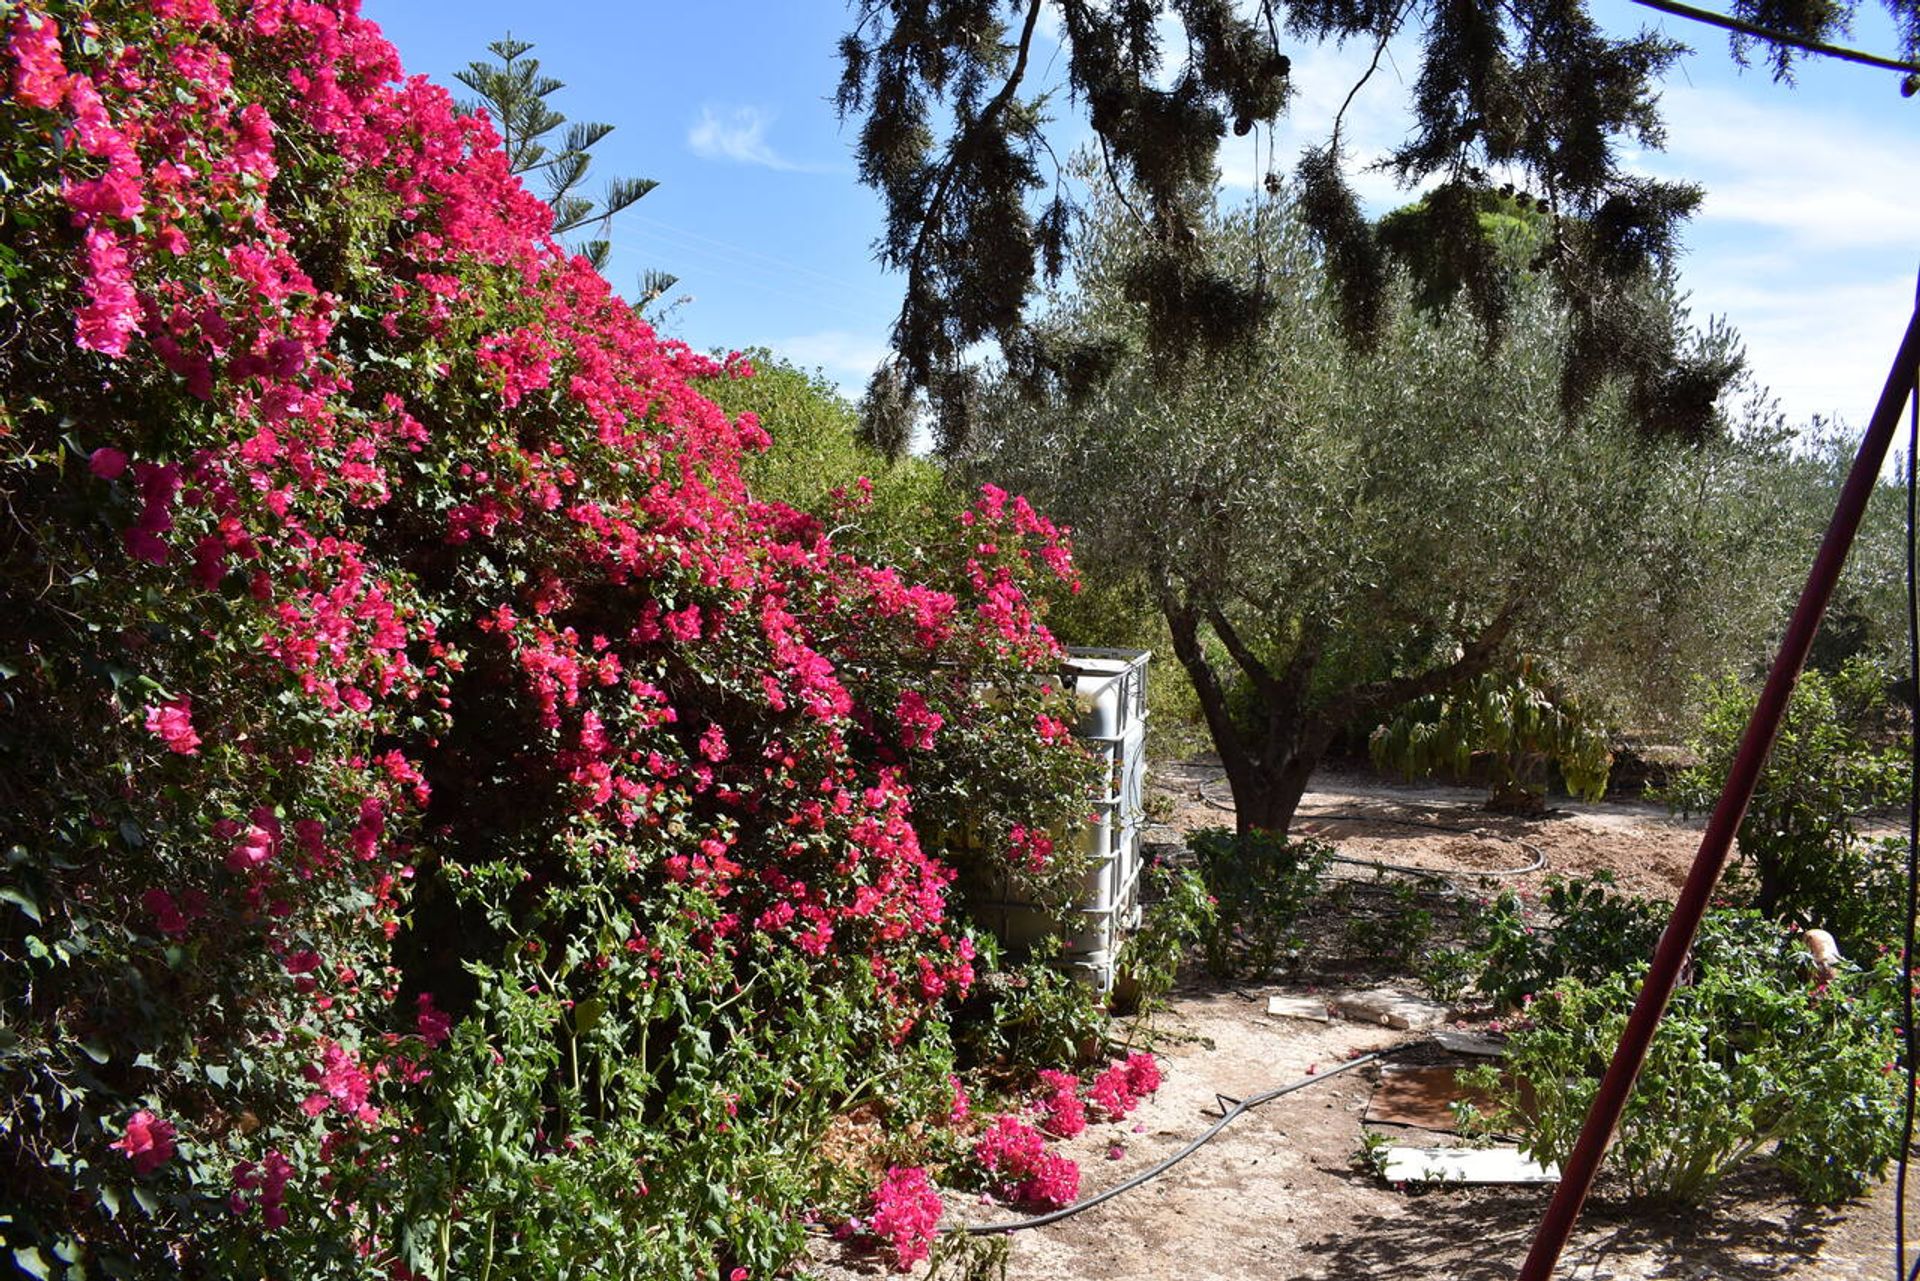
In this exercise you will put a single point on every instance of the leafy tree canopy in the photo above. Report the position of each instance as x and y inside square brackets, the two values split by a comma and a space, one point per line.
[952, 101]
[1330, 533]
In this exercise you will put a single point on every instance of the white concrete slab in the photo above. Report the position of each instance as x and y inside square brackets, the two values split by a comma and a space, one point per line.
[1298, 1007]
[1390, 1007]
[1465, 1165]
[1470, 1043]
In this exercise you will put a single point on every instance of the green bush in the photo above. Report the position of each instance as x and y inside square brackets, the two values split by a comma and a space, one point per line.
[1261, 883]
[1841, 752]
[1179, 913]
[895, 510]
[1030, 1013]
[1752, 1052]
[1584, 930]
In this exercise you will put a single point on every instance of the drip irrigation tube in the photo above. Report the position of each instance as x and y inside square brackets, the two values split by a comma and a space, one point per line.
[1240, 1108]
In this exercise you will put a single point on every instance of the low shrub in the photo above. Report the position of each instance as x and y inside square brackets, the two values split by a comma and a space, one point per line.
[1261, 882]
[1582, 929]
[1753, 1052]
[1179, 913]
[1030, 1013]
[1841, 752]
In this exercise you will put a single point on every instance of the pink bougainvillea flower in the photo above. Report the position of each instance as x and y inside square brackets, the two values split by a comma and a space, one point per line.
[905, 1215]
[257, 845]
[1016, 1156]
[167, 916]
[107, 462]
[148, 1142]
[263, 1184]
[1062, 1114]
[112, 314]
[1143, 1074]
[39, 77]
[918, 722]
[173, 722]
[344, 1085]
[433, 1024]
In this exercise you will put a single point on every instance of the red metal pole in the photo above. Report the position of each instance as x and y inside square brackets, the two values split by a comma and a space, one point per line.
[1576, 1178]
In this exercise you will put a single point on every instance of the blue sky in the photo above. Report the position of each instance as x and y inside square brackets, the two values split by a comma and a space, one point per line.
[1808, 241]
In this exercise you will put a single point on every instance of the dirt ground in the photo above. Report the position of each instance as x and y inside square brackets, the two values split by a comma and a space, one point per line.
[1278, 1194]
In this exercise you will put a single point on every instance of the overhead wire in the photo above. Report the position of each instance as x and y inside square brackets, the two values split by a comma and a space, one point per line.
[1742, 27]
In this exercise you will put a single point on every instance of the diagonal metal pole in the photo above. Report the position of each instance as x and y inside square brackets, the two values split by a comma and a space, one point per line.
[1576, 1177]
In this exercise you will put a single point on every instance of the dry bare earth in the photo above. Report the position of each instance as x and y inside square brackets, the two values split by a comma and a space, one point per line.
[1277, 1193]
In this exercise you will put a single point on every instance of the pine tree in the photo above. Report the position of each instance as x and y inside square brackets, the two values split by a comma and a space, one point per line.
[514, 95]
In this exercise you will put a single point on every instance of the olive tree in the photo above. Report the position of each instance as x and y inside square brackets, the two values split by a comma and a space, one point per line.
[1330, 533]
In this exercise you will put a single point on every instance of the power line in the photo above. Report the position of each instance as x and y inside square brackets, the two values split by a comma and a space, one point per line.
[744, 251]
[1746, 28]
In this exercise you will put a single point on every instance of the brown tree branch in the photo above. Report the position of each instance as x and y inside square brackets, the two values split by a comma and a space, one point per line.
[1475, 657]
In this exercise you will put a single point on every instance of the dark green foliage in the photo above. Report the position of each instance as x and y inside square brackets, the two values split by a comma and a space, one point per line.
[950, 96]
[1839, 754]
[1179, 913]
[1520, 719]
[1752, 1052]
[1465, 237]
[1355, 265]
[1816, 18]
[958, 222]
[1586, 930]
[1261, 882]
[1030, 1013]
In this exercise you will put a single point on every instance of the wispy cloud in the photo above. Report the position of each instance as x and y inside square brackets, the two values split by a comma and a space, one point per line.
[848, 358]
[740, 136]
[1831, 180]
[1805, 239]
[1376, 121]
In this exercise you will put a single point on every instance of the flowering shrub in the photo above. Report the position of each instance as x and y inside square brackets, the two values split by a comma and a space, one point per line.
[1119, 1089]
[905, 1214]
[1062, 1114]
[453, 828]
[1019, 1166]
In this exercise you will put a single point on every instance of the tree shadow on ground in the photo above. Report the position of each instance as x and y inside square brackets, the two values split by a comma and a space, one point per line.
[1748, 1232]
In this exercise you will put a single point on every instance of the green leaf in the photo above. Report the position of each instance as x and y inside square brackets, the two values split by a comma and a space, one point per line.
[33, 1263]
[24, 901]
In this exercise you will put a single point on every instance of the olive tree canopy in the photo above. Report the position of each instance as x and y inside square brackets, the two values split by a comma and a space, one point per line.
[1329, 532]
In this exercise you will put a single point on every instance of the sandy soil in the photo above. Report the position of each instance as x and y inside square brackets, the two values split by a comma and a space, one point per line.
[1278, 1193]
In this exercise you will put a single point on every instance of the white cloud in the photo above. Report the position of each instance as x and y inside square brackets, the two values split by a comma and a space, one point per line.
[1805, 240]
[741, 136]
[848, 358]
[1774, 161]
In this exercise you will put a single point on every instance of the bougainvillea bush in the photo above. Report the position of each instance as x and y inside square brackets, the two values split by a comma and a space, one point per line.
[451, 828]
